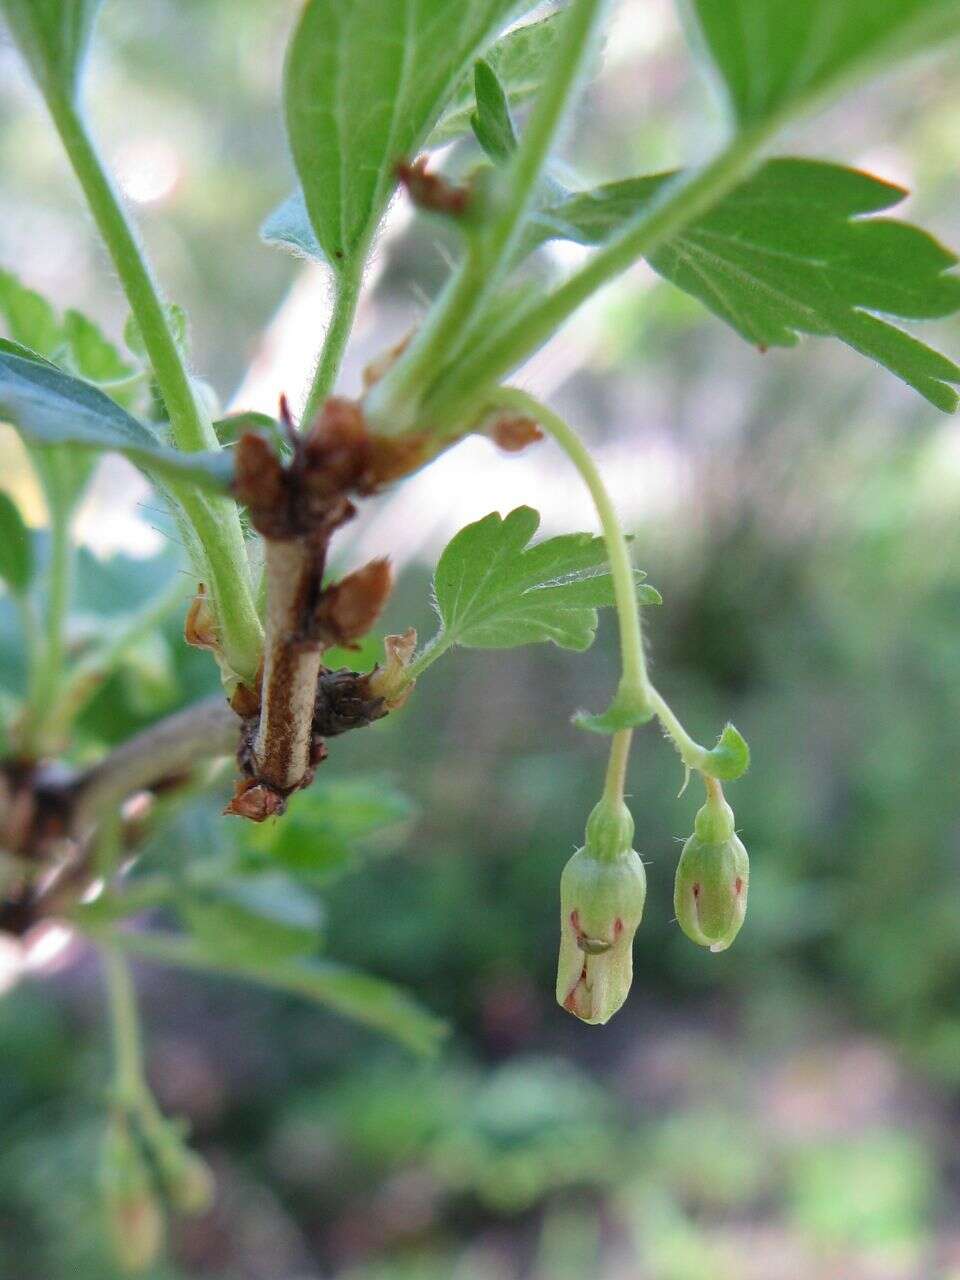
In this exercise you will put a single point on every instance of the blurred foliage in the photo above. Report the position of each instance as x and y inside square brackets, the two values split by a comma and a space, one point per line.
[788, 1108]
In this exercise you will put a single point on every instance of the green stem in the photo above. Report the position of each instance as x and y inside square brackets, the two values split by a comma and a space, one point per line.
[635, 687]
[46, 659]
[676, 205]
[634, 678]
[617, 766]
[691, 752]
[430, 652]
[129, 1077]
[392, 405]
[216, 520]
[347, 295]
[191, 428]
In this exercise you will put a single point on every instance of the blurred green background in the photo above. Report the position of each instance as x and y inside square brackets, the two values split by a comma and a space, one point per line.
[788, 1109]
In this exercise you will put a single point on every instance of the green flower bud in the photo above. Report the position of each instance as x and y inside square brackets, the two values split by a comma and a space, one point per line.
[134, 1219]
[710, 894]
[602, 892]
[185, 1176]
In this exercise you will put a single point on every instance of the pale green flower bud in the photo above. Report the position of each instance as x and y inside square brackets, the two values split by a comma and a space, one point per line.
[710, 894]
[602, 892]
[189, 1182]
[184, 1175]
[134, 1218]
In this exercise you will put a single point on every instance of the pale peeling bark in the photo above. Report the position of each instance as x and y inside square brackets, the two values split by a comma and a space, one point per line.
[282, 747]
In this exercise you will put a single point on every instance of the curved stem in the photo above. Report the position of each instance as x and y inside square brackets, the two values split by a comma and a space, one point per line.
[129, 1077]
[634, 680]
[634, 674]
[345, 301]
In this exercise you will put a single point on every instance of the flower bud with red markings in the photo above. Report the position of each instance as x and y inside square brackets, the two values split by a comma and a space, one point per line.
[602, 892]
[134, 1219]
[713, 875]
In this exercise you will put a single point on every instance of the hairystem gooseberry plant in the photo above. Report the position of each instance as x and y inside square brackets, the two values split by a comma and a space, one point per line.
[776, 247]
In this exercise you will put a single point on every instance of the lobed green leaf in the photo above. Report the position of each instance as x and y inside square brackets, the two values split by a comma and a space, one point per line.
[493, 591]
[790, 251]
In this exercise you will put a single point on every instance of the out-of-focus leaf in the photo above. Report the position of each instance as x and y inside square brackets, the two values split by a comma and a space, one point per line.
[179, 327]
[791, 251]
[324, 830]
[261, 918]
[93, 357]
[76, 344]
[774, 58]
[492, 122]
[493, 591]
[31, 320]
[50, 408]
[364, 85]
[16, 548]
[519, 59]
[360, 996]
[53, 36]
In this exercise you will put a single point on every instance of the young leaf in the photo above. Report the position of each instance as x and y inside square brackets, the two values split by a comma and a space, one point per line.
[16, 547]
[790, 251]
[775, 58]
[50, 408]
[492, 122]
[364, 84]
[494, 592]
[53, 36]
[519, 60]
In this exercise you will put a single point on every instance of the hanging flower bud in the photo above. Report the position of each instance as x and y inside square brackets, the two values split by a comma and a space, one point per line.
[185, 1176]
[710, 894]
[135, 1223]
[602, 891]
